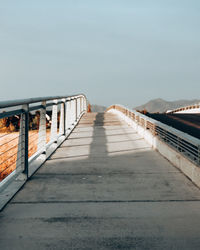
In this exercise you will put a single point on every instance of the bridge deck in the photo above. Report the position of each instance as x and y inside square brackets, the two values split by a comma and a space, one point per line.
[104, 188]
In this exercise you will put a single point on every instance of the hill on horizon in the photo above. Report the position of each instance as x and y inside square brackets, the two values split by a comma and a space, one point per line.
[161, 105]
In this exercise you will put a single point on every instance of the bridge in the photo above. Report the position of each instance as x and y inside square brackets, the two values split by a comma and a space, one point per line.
[191, 109]
[112, 180]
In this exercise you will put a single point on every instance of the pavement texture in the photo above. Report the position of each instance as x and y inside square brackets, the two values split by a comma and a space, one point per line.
[104, 188]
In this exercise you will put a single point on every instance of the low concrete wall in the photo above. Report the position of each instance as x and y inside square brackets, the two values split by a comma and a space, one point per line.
[191, 170]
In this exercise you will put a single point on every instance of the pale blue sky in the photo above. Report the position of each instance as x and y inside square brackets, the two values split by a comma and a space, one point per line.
[126, 52]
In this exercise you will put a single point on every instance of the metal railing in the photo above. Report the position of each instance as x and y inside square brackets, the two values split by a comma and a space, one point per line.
[185, 144]
[185, 109]
[32, 129]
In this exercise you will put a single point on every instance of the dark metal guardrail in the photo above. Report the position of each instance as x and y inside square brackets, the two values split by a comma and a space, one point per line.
[32, 129]
[187, 145]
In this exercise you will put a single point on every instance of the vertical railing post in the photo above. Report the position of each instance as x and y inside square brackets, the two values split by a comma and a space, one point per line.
[67, 116]
[85, 104]
[73, 111]
[26, 138]
[42, 129]
[76, 110]
[81, 104]
[22, 153]
[62, 118]
[21, 145]
[69, 112]
[54, 121]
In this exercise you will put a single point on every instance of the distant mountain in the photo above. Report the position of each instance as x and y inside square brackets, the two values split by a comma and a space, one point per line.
[97, 108]
[161, 106]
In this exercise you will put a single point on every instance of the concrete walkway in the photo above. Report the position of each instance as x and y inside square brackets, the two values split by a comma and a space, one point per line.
[104, 188]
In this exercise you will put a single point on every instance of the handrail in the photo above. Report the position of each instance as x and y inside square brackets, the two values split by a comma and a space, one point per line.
[37, 132]
[11, 103]
[184, 143]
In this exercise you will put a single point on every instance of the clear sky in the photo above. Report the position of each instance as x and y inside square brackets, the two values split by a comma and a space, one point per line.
[114, 51]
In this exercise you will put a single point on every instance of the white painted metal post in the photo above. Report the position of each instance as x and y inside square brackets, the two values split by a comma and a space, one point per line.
[22, 153]
[67, 116]
[54, 121]
[72, 112]
[85, 105]
[62, 120]
[20, 163]
[42, 129]
[76, 110]
[81, 104]
[78, 107]
[81, 98]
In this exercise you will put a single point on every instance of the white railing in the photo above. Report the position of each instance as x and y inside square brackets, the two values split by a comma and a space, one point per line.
[185, 144]
[31, 130]
[195, 108]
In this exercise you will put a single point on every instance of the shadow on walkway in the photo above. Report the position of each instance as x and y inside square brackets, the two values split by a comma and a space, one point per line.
[104, 188]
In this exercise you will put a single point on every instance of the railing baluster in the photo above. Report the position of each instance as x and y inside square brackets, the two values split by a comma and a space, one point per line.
[81, 104]
[69, 113]
[21, 146]
[76, 110]
[67, 117]
[22, 153]
[79, 107]
[62, 118]
[54, 121]
[73, 111]
[85, 104]
[42, 129]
